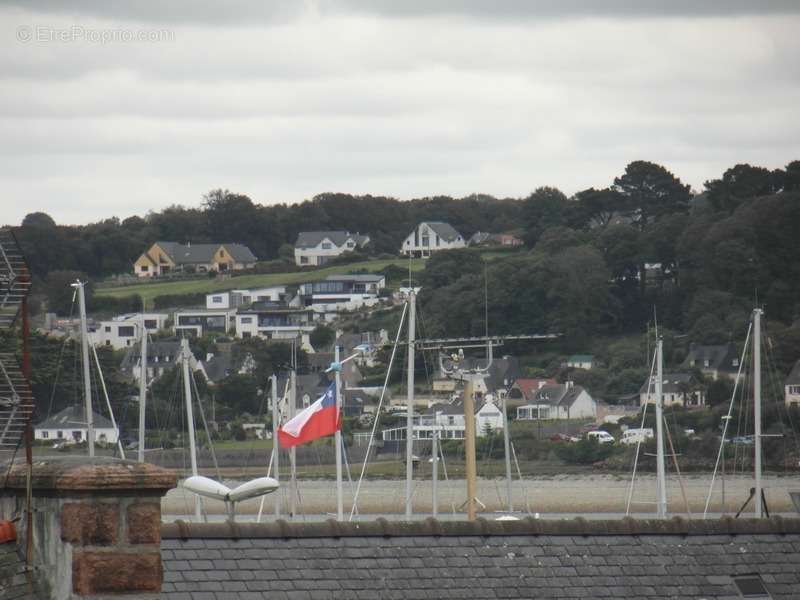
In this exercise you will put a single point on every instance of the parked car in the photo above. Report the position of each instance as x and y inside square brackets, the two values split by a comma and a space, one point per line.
[563, 437]
[602, 437]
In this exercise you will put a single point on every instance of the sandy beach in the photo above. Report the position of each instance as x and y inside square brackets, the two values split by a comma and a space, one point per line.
[556, 494]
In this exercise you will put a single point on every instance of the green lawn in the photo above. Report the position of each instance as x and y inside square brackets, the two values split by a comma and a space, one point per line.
[148, 291]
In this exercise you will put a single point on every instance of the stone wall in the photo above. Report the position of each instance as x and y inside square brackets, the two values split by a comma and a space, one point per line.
[96, 525]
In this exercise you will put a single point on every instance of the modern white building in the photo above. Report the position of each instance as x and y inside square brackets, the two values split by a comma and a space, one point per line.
[431, 236]
[237, 298]
[274, 321]
[314, 248]
[559, 401]
[339, 293]
[448, 421]
[125, 330]
[69, 426]
[201, 321]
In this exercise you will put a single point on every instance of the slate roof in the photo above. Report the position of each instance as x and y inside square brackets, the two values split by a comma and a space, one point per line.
[557, 395]
[672, 383]
[444, 230]
[720, 357]
[160, 349]
[794, 376]
[311, 239]
[529, 558]
[191, 254]
[502, 372]
[73, 417]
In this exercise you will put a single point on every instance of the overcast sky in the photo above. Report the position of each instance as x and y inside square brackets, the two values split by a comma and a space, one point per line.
[284, 100]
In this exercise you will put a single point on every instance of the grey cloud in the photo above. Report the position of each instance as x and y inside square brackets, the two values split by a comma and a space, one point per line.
[277, 11]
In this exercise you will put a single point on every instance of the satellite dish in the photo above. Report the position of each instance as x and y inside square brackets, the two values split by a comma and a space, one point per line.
[208, 488]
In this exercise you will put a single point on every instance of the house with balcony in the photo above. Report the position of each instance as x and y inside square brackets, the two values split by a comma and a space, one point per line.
[315, 248]
[431, 236]
[273, 321]
[169, 257]
[124, 330]
[339, 293]
[448, 421]
[199, 321]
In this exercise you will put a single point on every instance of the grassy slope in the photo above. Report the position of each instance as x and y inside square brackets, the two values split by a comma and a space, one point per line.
[148, 291]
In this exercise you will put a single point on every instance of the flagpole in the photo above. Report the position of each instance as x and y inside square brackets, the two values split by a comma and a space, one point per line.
[338, 437]
[293, 450]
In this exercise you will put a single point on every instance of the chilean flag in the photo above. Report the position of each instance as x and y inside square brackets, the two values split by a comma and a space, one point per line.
[316, 421]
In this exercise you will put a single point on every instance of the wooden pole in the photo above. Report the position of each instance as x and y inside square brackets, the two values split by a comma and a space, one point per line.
[469, 447]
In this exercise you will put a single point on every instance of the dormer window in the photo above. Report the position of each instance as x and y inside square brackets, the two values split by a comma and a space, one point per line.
[326, 245]
[706, 363]
[735, 362]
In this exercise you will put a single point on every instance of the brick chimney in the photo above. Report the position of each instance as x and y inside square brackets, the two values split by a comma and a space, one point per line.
[96, 525]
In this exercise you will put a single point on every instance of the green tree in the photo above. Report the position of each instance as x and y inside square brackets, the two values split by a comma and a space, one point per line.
[322, 337]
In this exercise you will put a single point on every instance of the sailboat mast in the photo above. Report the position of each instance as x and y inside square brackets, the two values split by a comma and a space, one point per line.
[276, 450]
[757, 407]
[412, 317]
[187, 394]
[661, 482]
[142, 389]
[435, 472]
[293, 449]
[87, 385]
[338, 437]
[507, 445]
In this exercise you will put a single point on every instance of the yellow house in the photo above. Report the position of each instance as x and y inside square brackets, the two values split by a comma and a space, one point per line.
[164, 257]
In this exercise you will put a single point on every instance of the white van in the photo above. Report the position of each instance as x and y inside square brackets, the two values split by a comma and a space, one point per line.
[634, 436]
[602, 437]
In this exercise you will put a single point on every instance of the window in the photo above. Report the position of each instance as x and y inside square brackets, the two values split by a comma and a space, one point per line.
[246, 334]
[247, 320]
[125, 331]
[326, 245]
[426, 241]
[222, 253]
[735, 362]
[108, 328]
[150, 324]
[751, 586]
[60, 434]
[216, 299]
[794, 389]
[705, 363]
[144, 268]
[45, 435]
[303, 260]
[350, 244]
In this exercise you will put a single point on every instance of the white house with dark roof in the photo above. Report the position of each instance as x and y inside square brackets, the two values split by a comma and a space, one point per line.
[448, 420]
[431, 236]
[677, 388]
[792, 386]
[124, 330]
[167, 257]
[69, 426]
[314, 248]
[559, 401]
[714, 361]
